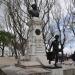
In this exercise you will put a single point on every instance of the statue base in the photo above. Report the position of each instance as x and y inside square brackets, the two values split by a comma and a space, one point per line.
[36, 46]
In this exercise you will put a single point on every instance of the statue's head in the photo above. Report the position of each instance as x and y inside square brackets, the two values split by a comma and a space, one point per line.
[34, 11]
[34, 6]
[56, 36]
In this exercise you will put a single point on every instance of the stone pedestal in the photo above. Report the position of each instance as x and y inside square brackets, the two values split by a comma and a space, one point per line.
[36, 45]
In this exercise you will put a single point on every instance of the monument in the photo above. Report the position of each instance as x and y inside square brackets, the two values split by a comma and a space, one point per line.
[36, 45]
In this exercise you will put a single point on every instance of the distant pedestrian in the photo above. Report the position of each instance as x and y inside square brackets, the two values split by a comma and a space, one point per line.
[73, 57]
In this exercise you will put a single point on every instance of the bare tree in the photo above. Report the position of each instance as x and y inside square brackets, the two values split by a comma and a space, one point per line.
[58, 17]
[17, 16]
[72, 10]
[71, 16]
[15, 20]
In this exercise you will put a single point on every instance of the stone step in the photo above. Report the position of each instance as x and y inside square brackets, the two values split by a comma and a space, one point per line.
[30, 63]
[13, 70]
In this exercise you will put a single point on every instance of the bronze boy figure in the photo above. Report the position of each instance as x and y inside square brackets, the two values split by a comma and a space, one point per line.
[55, 45]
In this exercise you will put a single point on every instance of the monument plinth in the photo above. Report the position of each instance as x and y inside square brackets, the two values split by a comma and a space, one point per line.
[36, 45]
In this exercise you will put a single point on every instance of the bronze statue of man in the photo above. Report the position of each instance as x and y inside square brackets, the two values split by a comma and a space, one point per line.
[55, 45]
[34, 12]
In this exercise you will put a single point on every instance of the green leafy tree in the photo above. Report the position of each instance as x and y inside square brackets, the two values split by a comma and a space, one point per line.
[5, 40]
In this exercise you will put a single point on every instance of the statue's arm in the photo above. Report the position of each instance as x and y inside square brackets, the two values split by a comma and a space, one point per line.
[51, 46]
[29, 11]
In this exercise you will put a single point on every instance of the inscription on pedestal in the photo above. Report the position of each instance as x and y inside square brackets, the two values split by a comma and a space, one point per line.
[36, 43]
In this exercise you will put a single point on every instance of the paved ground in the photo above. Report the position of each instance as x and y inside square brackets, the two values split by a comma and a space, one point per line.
[12, 61]
[7, 66]
[6, 61]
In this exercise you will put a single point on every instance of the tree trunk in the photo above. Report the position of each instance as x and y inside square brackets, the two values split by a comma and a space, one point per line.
[3, 51]
[22, 48]
[15, 51]
[62, 53]
[23, 52]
